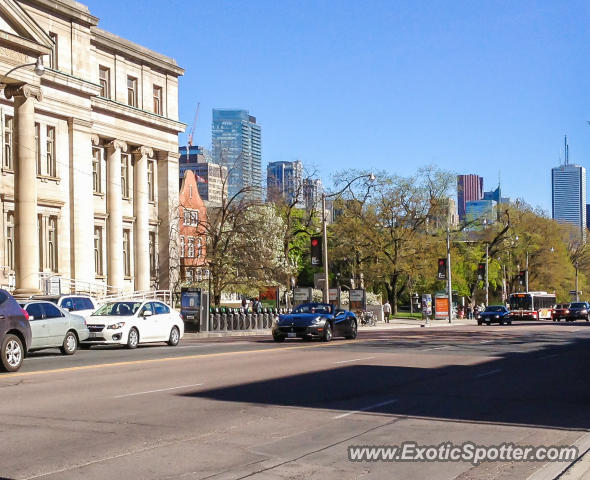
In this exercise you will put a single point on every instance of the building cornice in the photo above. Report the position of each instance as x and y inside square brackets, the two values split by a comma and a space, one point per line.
[70, 82]
[68, 8]
[112, 107]
[112, 42]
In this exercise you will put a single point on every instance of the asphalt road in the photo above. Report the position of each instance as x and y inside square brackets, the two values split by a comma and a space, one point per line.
[249, 408]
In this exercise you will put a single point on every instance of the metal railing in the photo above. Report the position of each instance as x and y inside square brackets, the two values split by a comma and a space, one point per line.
[163, 295]
[224, 322]
[50, 283]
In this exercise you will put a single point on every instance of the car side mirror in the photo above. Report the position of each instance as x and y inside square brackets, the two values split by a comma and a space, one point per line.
[67, 309]
[147, 313]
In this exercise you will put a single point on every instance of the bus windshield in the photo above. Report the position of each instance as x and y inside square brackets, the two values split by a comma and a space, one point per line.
[520, 302]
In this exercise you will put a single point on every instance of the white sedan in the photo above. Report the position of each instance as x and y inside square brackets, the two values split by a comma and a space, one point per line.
[133, 322]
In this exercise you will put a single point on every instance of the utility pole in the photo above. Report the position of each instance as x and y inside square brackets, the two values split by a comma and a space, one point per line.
[326, 295]
[487, 267]
[526, 272]
[449, 283]
[577, 291]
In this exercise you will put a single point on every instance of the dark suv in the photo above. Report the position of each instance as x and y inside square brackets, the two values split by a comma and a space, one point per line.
[578, 310]
[15, 333]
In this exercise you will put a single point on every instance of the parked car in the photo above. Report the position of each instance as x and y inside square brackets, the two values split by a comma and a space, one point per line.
[319, 320]
[133, 322]
[578, 311]
[15, 333]
[561, 311]
[54, 327]
[495, 314]
[83, 305]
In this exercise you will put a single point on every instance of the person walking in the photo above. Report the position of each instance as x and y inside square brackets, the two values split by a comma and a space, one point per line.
[386, 311]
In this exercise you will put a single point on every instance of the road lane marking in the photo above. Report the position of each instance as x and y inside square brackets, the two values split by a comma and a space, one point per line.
[486, 341]
[159, 390]
[354, 360]
[491, 372]
[434, 348]
[8, 376]
[370, 407]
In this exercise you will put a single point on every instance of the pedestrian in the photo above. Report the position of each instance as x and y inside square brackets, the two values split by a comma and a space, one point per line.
[469, 312]
[244, 304]
[386, 311]
[257, 306]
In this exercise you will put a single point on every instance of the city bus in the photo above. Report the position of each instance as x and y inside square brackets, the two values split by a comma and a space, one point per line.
[532, 305]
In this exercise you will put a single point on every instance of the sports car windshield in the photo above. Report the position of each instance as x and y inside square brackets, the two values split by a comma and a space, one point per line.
[121, 309]
[313, 308]
[494, 309]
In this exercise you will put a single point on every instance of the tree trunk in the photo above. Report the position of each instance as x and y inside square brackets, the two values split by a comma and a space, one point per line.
[394, 296]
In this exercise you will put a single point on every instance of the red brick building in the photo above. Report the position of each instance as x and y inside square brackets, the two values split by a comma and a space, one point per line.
[192, 214]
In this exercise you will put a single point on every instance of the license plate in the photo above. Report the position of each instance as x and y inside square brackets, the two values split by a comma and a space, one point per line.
[93, 335]
[190, 317]
[291, 335]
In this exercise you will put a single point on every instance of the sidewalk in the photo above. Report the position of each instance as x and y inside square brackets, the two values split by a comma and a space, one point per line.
[394, 324]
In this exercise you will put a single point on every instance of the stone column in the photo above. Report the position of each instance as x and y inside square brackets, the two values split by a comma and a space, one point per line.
[115, 215]
[141, 212]
[168, 236]
[81, 201]
[25, 188]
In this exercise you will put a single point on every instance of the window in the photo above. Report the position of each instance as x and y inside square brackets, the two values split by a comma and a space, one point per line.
[104, 78]
[35, 311]
[38, 147]
[126, 253]
[189, 274]
[52, 244]
[125, 175]
[157, 100]
[53, 58]
[191, 247]
[98, 251]
[181, 246]
[150, 180]
[152, 251]
[8, 129]
[51, 311]
[160, 308]
[83, 303]
[132, 91]
[10, 240]
[199, 247]
[191, 217]
[96, 177]
[50, 156]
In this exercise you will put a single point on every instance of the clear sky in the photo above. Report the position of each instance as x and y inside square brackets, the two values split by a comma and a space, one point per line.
[474, 87]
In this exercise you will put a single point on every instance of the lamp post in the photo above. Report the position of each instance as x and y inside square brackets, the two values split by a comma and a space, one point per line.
[487, 278]
[449, 283]
[577, 289]
[39, 68]
[326, 293]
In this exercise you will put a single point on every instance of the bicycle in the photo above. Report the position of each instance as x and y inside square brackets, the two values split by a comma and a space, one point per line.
[367, 318]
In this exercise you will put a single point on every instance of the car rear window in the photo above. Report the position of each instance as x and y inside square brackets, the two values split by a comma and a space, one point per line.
[83, 303]
[578, 305]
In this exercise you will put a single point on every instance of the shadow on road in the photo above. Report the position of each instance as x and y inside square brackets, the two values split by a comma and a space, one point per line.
[548, 387]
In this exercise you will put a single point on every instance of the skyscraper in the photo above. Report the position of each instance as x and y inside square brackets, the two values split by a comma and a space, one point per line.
[312, 193]
[210, 177]
[285, 180]
[236, 139]
[469, 189]
[568, 186]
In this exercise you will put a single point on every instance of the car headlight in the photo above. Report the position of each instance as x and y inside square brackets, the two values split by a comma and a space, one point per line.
[116, 326]
[584, 311]
[496, 316]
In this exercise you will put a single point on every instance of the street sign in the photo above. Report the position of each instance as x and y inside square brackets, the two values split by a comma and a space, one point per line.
[302, 295]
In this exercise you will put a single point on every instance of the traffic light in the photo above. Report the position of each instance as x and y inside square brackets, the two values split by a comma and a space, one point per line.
[481, 271]
[522, 277]
[316, 251]
[442, 269]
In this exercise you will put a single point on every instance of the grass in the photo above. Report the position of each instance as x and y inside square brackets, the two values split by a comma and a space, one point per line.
[407, 315]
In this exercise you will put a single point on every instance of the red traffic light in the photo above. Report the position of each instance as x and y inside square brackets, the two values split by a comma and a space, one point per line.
[441, 262]
[314, 242]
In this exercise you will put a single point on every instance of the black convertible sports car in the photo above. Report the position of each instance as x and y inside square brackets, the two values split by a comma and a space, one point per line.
[315, 320]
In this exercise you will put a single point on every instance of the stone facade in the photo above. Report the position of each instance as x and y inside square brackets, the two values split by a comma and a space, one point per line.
[89, 158]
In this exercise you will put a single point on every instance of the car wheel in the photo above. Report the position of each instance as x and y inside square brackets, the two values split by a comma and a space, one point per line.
[278, 338]
[488, 322]
[501, 322]
[174, 337]
[327, 332]
[12, 353]
[353, 331]
[70, 344]
[133, 339]
[479, 322]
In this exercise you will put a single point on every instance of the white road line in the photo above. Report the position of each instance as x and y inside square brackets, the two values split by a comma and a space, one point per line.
[491, 372]
[159, 390]
[486, 341]
[434, 348]
[354, 360]
[370, 407]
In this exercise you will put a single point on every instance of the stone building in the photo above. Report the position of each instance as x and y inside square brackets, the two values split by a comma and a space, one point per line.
[89, 158]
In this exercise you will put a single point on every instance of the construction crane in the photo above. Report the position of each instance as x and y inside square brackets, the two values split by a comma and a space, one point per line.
[189, 142]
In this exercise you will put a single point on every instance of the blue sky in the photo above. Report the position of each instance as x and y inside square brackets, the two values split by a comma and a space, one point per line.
[473, 87]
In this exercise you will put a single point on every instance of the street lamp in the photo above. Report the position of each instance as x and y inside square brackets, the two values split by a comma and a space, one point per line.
[326, 293]
[39, 68]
